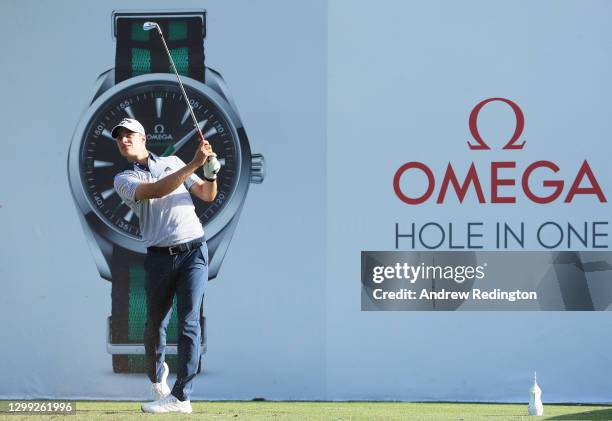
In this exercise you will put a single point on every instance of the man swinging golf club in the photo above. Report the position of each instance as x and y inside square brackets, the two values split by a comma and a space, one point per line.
[157, 190]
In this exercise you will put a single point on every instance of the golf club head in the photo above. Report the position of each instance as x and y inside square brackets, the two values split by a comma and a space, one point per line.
[147, 26]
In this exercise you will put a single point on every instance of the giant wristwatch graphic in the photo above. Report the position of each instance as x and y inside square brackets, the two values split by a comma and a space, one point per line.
[141, 86]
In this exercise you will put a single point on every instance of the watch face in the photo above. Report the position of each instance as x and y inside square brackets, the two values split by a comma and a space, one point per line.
[161, 109]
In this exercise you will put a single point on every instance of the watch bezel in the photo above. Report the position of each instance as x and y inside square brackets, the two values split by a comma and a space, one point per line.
[105, 228]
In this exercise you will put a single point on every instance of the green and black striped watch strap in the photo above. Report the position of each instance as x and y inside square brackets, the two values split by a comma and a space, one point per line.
[141, 52]
[129, 311]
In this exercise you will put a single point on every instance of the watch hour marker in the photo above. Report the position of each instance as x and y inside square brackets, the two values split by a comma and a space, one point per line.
[128, 216]
[158, 107]
[107, 133]
[184, 119]
[221, 161]
[107, 193]
[129, 112]
[102, 164]
[210, 132]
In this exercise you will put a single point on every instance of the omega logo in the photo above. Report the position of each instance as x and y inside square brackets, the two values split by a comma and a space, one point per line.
[473, 123]
[159, 133]
[472, 179]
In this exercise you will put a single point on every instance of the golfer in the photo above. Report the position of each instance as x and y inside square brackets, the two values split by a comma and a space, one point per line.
[157, 190]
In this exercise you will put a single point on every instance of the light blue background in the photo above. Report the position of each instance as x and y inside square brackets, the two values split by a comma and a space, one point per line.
[337, 96]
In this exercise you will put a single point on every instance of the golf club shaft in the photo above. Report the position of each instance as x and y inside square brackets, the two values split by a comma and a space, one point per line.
[195, 122]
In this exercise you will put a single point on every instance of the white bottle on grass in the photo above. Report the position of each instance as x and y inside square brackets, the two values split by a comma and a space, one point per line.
[535, 399]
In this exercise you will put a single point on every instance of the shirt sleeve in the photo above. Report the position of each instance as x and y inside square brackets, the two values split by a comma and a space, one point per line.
[125, 185]
[193, 178]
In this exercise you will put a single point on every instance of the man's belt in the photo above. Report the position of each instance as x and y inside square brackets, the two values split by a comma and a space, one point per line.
[177, 248]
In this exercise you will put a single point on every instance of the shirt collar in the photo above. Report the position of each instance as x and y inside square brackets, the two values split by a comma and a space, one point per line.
[140, 166]
[151, 159]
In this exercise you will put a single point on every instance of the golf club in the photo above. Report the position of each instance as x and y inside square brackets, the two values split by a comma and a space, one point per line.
[147, 26]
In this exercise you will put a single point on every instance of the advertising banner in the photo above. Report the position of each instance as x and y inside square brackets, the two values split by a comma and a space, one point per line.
[307, 200]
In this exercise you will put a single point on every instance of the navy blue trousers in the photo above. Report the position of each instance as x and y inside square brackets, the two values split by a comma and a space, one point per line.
[184, 275]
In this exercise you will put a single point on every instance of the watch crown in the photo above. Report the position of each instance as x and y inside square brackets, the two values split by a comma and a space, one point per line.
[258, 172]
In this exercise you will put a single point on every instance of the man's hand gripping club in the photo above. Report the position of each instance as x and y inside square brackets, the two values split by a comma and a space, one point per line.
[204, 156]
[211, 165]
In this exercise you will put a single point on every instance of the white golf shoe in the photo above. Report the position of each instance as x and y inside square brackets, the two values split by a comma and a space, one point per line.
[161, 389]
[167, 404]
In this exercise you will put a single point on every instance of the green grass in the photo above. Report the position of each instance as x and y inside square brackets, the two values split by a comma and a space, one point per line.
[289, 411]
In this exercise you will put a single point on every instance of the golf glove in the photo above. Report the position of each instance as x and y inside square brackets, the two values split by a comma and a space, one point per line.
[211, 168]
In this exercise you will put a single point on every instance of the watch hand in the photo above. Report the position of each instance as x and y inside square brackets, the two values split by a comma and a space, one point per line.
[118, 206]
[178, 145]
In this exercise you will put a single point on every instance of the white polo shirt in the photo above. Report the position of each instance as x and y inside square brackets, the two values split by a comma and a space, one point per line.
[166, 221]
